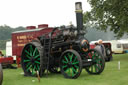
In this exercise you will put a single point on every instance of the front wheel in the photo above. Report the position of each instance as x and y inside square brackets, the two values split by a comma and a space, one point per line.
[98, 62]
[71, 64]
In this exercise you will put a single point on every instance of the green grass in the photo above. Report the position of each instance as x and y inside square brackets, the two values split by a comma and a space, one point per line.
[110, 76]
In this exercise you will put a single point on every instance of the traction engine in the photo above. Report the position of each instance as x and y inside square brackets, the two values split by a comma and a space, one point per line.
[64, 50]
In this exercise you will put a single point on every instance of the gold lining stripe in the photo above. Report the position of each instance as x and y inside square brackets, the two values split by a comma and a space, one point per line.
[79, 11]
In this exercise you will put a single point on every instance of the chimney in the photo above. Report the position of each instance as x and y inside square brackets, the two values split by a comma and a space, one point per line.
[43, 26]
[31, 27]
[79, 16]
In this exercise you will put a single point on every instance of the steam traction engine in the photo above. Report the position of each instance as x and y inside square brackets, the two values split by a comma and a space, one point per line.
[63, 49]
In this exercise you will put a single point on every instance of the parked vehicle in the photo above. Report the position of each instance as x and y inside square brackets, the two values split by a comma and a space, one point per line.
[124, 43]
[9, 50]
[108, 49]
[117, 47]
[6, 61]
[20, 38]
[61, 49]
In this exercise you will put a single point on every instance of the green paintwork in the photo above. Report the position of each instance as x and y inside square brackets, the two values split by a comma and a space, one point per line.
[31, 66]
[96, 67]
[72, 59]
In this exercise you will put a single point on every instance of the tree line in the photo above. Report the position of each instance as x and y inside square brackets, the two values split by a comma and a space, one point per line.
[93, 34]
[5, 34]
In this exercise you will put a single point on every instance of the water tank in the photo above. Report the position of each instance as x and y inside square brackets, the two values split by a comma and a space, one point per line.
[43, 26]
[31, 27]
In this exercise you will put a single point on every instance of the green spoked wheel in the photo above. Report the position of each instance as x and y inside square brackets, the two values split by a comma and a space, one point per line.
[1, 75]
[98, 62]
[70, 64]
[31, 59]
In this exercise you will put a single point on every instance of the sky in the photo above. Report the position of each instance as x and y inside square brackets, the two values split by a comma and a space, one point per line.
[16, 13]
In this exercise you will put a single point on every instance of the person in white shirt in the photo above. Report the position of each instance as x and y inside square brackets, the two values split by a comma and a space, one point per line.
[100, 47]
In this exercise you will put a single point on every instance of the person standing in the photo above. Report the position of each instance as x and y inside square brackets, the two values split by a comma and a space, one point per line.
[100, 47]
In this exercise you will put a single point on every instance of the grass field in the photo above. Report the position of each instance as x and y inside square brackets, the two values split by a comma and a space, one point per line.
[110, 76]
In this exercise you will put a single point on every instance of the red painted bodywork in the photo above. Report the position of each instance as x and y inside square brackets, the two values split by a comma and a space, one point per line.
[6, 60]
[19, 39]
[92, 46]
[31, 27]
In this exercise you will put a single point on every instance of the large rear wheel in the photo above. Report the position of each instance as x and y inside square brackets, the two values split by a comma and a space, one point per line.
[98, 62]
[31, 59]
[70, 64]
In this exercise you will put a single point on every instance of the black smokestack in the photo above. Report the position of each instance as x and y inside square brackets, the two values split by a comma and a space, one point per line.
[79, 16]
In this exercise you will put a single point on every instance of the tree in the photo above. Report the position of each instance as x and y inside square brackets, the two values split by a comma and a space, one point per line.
[109, 13]
[5, 31]
[5, 34]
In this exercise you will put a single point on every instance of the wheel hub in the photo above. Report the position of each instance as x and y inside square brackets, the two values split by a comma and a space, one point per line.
[32, 59]
[70, 64]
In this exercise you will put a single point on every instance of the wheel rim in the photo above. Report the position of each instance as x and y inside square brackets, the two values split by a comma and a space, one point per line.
[97, 62]
[31, 59]
[70, 64]
[108, 52]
